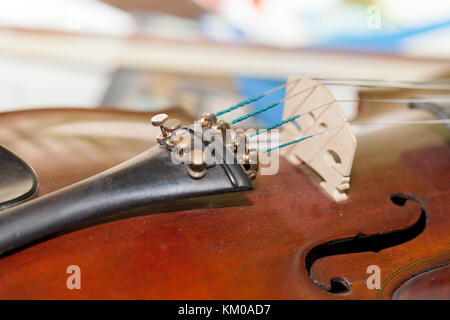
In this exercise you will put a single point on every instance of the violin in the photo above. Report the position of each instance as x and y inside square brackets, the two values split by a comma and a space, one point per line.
[147, 229]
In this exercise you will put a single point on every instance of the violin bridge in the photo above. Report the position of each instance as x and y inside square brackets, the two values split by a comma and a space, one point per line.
[329, 155]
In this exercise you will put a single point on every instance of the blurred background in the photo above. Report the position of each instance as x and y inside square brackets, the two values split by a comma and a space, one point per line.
[204, 55]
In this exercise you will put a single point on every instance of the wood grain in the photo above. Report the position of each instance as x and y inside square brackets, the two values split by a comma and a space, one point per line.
[249, 245]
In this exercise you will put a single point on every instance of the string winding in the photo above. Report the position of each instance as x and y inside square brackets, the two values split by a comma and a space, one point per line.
[255, 98]
[331, 82]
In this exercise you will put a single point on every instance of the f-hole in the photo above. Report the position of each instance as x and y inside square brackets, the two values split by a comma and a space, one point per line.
[366, 243]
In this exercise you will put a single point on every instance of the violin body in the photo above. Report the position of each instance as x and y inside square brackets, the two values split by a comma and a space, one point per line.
[285, 239]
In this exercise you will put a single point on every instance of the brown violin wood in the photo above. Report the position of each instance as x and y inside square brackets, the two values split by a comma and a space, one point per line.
[251, 245]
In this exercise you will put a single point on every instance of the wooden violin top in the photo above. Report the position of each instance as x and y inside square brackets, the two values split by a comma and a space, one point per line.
[284, 240]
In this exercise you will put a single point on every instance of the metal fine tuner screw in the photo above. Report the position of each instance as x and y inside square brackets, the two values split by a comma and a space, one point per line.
[170, 126]
[208, 119]
[158, 121]
[197, 168]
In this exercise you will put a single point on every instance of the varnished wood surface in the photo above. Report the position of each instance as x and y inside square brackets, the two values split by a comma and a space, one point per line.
[246, 245]
[429, 285]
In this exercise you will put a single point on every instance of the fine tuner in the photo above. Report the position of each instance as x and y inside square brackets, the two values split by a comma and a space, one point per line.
[307, 101]
[310, 110]
[205, 158]
[180, 140]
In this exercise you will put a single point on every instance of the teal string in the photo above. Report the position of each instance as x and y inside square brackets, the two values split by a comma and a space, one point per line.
[288, 143]
[240, 104]
[270, 106]
[276, 125]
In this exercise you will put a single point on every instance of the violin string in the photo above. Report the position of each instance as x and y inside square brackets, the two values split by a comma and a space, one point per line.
[357, 123]
[274, 104]
[255, 98]
[275, 125]
[330, 82]
[435, 80]
[410, 100]
[364, 83]
[271, 105]
[293, 118]
[300, 139]
[440, 121]
[356, 82]
[403, 122]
